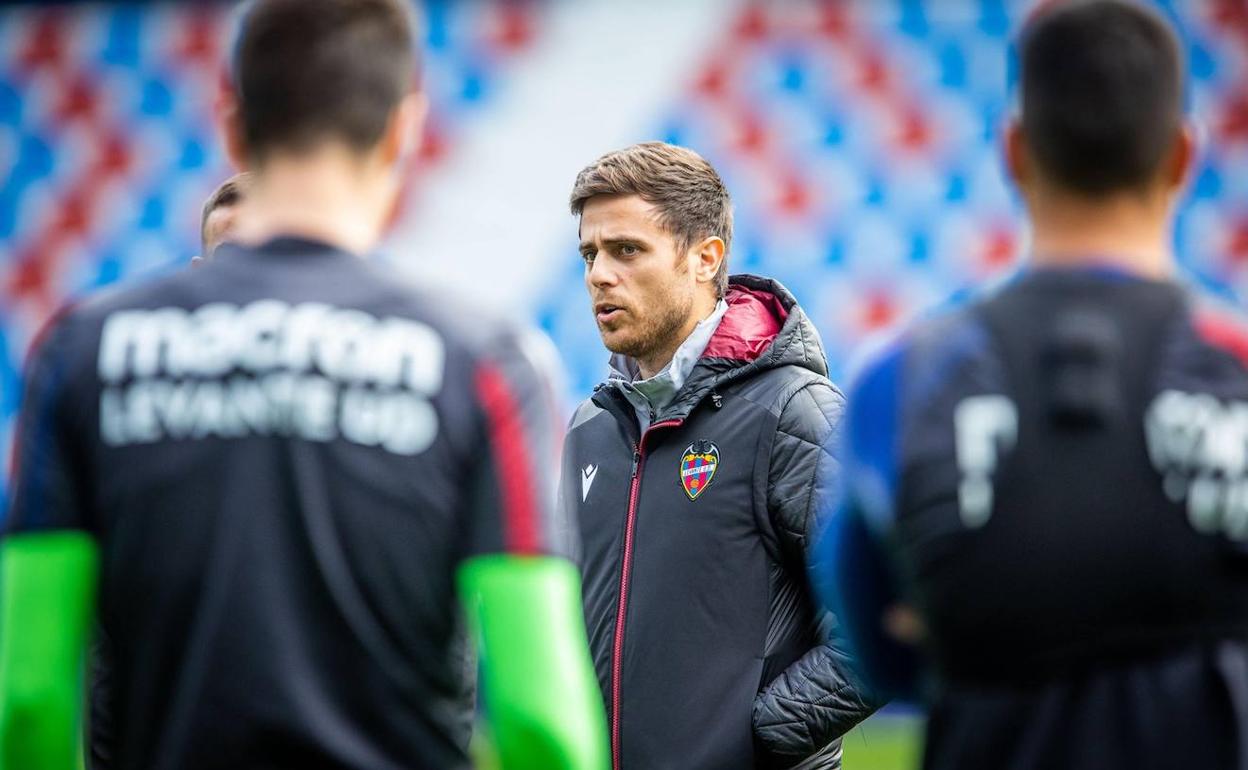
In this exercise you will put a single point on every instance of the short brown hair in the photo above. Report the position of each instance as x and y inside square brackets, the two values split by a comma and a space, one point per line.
[691, 198]
[309, 71]
[231, 192]
[1102, 93]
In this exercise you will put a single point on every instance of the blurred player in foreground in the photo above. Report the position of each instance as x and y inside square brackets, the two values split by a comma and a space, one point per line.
[1054, 478]
[282, 468]
[220, 213]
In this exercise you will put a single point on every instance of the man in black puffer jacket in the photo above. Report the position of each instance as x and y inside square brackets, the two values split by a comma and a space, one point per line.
[696, 473]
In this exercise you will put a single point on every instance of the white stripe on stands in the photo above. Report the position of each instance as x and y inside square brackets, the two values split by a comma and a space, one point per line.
[492, 219]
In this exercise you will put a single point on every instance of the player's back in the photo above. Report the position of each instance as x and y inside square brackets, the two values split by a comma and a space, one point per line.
[1072, 516]
[285, 455]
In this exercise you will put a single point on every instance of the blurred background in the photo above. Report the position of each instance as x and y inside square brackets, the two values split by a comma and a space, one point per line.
[858, 140]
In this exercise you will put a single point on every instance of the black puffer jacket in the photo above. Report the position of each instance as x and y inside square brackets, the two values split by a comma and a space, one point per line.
[708, 647]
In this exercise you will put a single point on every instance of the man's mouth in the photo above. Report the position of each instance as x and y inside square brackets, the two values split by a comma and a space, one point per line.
[605, 312]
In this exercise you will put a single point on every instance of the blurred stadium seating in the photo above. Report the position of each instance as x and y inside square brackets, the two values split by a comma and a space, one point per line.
[108, 146]
[858, 140]
[859, 143]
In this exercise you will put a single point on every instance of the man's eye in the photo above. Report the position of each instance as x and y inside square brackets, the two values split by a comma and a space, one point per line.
[628, 250]
[588, 256]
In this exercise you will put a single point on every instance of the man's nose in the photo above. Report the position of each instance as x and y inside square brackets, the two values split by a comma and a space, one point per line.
[602, 273]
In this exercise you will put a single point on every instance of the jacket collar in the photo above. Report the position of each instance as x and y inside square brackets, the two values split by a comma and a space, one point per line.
[652, 395]
[763, 328]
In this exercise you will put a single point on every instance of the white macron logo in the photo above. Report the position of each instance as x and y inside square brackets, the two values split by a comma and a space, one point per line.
[587, 480]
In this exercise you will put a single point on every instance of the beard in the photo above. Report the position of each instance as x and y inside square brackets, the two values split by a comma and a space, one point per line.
[652, 333]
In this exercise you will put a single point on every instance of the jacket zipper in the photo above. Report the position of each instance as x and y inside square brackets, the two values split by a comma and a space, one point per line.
[626, 565]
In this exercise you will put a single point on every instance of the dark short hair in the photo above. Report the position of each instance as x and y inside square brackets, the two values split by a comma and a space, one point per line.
[691, 199]
[310, 71]
[229, 193]
[1102, 93]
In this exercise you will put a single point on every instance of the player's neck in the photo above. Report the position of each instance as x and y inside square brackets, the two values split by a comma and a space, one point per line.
[1124, 232]
[329, 196]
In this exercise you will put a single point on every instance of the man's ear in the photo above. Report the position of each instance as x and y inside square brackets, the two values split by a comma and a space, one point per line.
[1017, 160]
[1182, 156]
[405, 128]
[230, 126]
[708, 255]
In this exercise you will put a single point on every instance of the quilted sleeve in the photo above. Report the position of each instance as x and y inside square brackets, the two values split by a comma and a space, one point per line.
[803, 468]
[800, 716]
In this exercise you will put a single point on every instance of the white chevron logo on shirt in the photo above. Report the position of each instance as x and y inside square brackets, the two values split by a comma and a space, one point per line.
[587, 480]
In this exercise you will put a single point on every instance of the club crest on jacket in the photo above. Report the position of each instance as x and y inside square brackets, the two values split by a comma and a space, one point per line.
[698, 466]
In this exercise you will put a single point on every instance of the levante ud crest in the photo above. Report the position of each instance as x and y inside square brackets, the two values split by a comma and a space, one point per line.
[698, 466]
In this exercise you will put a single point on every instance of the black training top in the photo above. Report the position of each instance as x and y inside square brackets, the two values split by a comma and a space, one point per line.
[284, 455]
[1056, 477]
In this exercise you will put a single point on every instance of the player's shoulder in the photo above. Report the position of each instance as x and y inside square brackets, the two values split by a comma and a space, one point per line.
[1216, 321]
[82, 316]
[463, 320]
[1205, 348]
[936, 340]
[584, 412]
[163, 288]
[477, 335]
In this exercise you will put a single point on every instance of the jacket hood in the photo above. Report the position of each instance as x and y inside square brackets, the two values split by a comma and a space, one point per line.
[763, 329]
